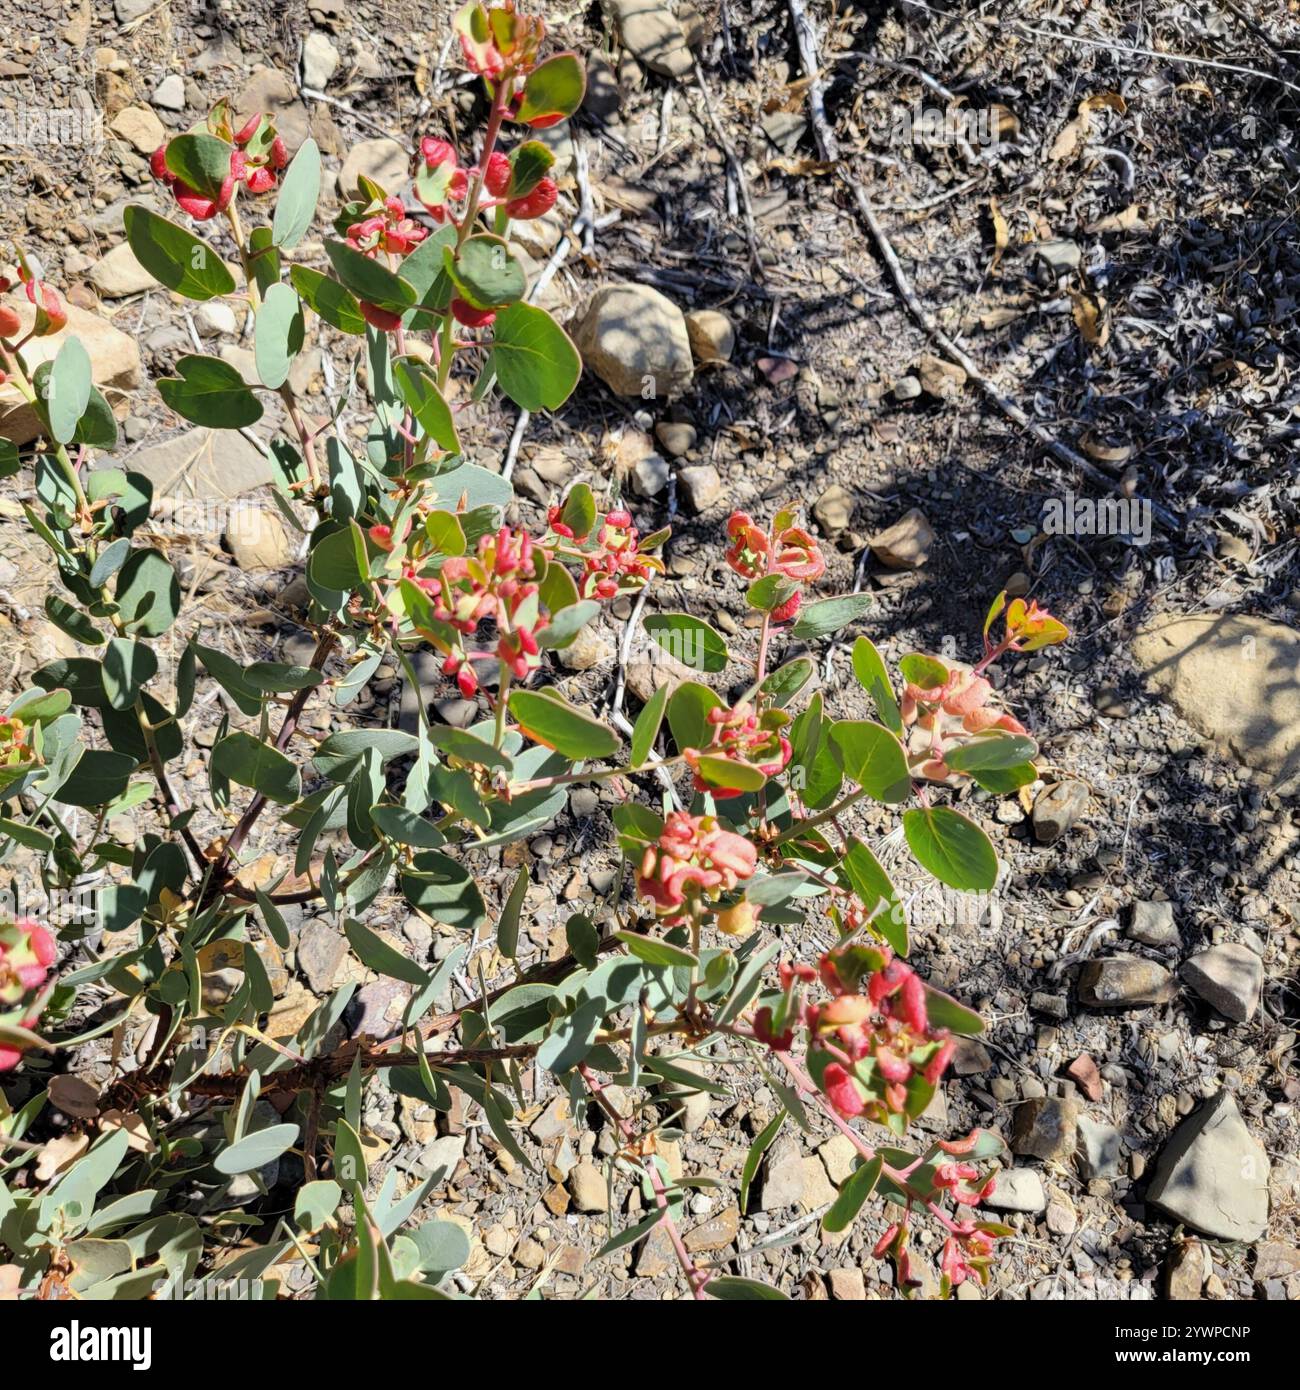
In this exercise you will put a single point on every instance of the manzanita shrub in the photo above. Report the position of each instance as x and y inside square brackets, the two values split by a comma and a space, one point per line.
[734, 828]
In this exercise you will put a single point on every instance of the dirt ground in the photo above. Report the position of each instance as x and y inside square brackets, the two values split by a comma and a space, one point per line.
[1122, 263]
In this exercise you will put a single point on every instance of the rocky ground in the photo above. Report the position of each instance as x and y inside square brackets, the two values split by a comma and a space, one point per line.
[1123, 265]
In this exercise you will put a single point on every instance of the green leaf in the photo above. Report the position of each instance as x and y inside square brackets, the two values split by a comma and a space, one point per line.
[443, 1246]
[176, 258]
[316, 1202]
[646, 728]
[369, 280]
[229, 674]
[278, 335]
[252, 763]
[787, 681]
[128, 667]
[955, 850]
[565, 625]
[418, 387]
[754, 1157]
[200, 160]
[97, 428]
[299, 194]
[579, 511]
[770, 592]
[397, 823]
[829, 615]
[256, 1150]
[485, 272]
[730, 1289]
[990, 752]
[928, 672]
[873, 677]
[210, 392]
[557, 724]
[445, 890]
[338, 561]
[655, 952]
[873, 758]
[338, 752]
[858, 1186]
[78, 625]
[335, 304]
[375, 952]
[1003, 781]
[688, 715]
[148, 593]
[424, 270]
[944, 1011]
[868, 879]
[98, 778]
[508, 926]
[692, 642]
[67, 389]
[108, 562]
[9, 460]
[277, 677]
[728, 773]
[571, 1037]
[535, 360]
[530, 162]
[554, 89]
[468, 748]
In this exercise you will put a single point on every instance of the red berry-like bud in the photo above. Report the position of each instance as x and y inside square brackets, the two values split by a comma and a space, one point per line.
[435, 152]
[382, 319]
[497, 179]
[471, 317]
[535, 204]
[158, 165]
[10, 323]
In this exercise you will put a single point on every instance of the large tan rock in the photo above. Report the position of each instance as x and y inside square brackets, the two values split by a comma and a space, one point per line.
[114, 365]
[204, 464]
[635, 340]
[1237, 679]
[119, 274]
[382, 160]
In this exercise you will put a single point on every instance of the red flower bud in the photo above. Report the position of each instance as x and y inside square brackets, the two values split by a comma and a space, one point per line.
[51, 313]
[535, 204]
[382, 319]
[471, 317]
[497, 179]
[158, 165]
[10, 323]
[248, 130]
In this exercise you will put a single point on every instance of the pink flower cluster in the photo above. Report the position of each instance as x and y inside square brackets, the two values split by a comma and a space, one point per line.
[253, 166]
[26, 953]
[742, 735]
[788, 550]
[613, 561]
[871, 1040]
[389, 230]
[963, 696]
[694, 857]
[498, 582]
